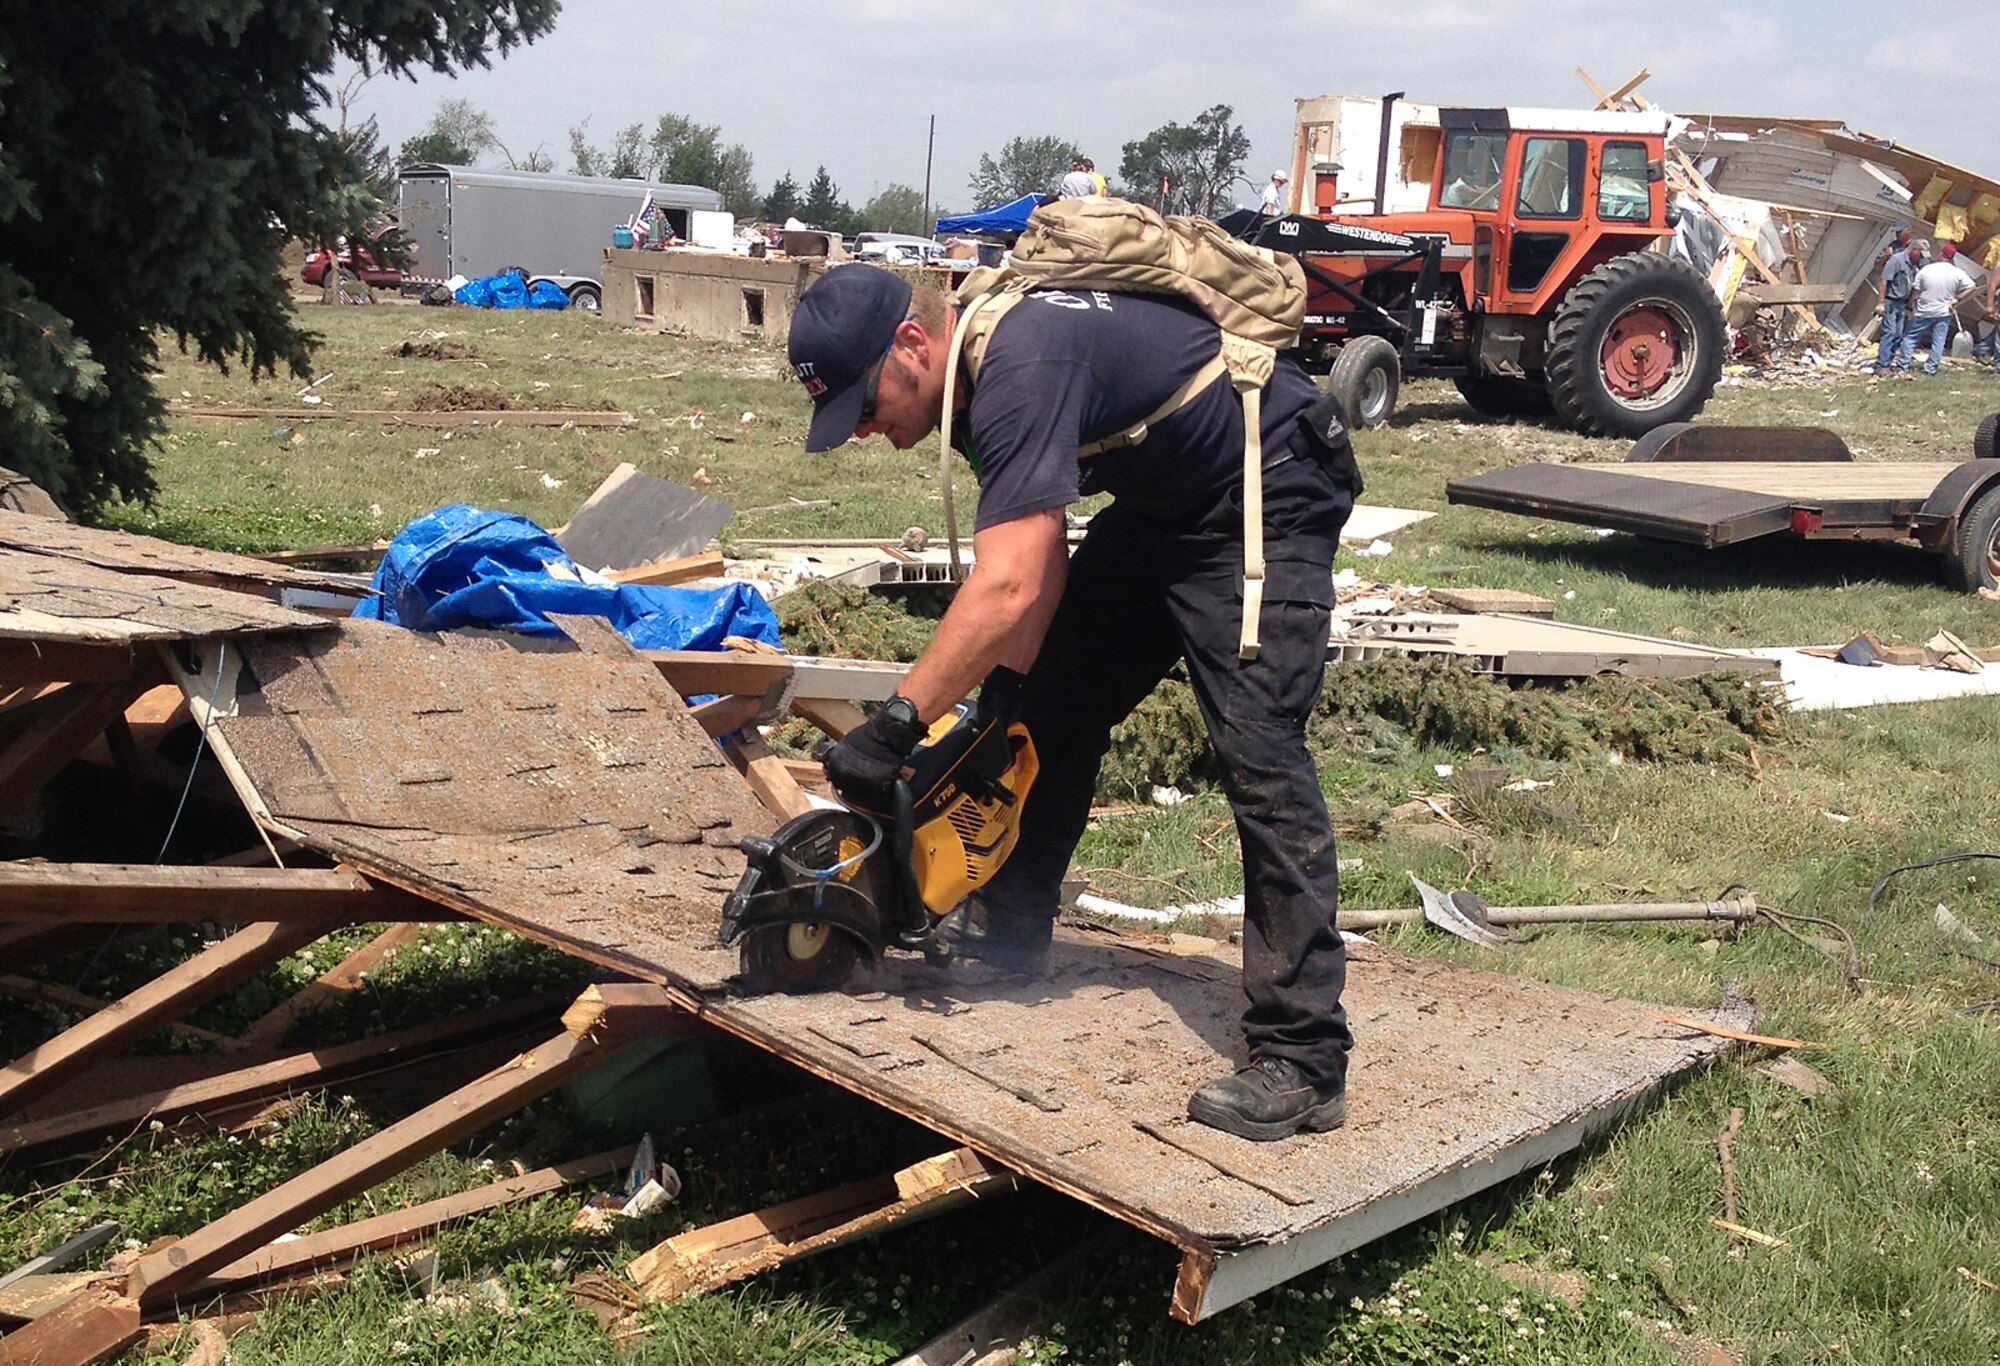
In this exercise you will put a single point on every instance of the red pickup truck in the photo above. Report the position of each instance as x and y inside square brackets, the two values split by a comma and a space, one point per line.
[381, 276]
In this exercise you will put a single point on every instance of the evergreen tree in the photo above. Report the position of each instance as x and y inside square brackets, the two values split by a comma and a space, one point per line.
[823, 206]
[155, 155]
[784, 201]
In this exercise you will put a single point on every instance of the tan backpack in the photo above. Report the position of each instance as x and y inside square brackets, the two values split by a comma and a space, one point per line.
[1257, 298]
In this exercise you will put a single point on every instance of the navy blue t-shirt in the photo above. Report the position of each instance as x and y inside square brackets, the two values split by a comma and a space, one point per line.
[1063, 370]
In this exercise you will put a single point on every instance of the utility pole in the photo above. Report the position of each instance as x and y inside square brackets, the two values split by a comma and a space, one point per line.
[930, 146]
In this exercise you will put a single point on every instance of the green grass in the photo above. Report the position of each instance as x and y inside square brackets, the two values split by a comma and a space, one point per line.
[1881, 1192]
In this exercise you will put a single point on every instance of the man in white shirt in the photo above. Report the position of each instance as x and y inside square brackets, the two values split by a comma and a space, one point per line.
[1078, 184]
[1932, 293]
[1274, 194]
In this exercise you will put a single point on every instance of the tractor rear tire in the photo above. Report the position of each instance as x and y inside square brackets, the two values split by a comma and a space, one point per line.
[1636, 344]
[1982, 436]
[1504, 396]
[1367, 374]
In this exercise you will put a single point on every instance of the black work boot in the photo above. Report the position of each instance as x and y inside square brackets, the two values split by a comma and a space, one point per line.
[1017, 942]
[1269, 1099]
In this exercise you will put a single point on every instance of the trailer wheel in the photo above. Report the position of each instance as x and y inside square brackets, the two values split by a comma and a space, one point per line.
[1636, 344]
[1979, 543]
[586, 297]
[1982, 436]
[1504, 396]
[1366, 376]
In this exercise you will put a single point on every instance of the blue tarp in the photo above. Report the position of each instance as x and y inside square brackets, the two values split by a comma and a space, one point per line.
[462, 566]
[509, 291]
[1001, 218]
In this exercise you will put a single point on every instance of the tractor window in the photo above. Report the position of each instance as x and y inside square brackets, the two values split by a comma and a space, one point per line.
[1624, 194]
[1551, 179]
[1472, 164]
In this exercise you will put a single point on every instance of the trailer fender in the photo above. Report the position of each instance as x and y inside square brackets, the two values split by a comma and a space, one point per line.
[1936, 523]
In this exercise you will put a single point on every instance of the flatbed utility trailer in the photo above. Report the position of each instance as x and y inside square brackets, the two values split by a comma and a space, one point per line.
[1712, 486]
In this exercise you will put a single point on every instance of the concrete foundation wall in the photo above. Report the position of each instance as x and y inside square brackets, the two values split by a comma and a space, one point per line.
[718, 297]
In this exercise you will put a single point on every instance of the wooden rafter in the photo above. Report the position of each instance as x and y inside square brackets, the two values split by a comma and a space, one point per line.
[170, 996]
[140, 894]
[342, 979]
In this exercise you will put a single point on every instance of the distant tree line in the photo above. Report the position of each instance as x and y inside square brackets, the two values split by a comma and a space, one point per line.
[1194, 167]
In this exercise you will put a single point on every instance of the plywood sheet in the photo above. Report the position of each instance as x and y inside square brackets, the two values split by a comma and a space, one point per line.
[569, 796]
[125, 552]
[636, 518]
[1081, 1076]
[50, 598]
[1841, 481]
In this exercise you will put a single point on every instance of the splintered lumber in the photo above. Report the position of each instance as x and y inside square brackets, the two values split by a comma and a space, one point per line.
[62, 725]
[284, 1076]
[833, 718]
[160, 1276]
[211, 973]
[703, 1259]
[140, 894]
[343, 1244]
[620, 1012]
[664, 573]
[96, 1325]
[342, 979]
[693, 673]
[63, 1254]
[768, 777]
[399, 417]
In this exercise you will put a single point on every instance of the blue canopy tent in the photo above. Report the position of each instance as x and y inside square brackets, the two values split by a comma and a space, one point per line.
[1009, 219]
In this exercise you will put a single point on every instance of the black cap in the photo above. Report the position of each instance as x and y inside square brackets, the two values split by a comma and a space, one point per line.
[843, 325]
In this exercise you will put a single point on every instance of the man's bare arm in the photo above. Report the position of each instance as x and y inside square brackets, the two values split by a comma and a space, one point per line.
[1000, 615]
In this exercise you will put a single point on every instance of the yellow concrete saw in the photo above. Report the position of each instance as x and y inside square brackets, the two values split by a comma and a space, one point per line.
[839, 884]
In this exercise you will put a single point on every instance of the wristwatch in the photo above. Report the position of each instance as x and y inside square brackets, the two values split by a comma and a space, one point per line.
[899, 723]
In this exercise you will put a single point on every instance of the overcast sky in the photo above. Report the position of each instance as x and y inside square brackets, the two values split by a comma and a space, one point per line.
[852, 84]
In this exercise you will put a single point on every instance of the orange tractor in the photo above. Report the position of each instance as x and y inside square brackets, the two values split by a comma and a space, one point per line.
[1527, 280]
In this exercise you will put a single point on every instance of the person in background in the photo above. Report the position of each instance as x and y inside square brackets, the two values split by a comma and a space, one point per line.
[1079, 183]
[1899, 244]
[1992, 280]
[1102, 186]
[1933, 291]
[1274, 194]
[1896, 270]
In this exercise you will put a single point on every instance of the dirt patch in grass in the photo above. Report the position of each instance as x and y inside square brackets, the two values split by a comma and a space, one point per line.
[458, 398]
[435, 348]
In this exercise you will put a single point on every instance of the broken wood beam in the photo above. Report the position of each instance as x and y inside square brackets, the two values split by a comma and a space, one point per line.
[768, 777]
[162, 1275]
[703, 1259]
[302, 1071]
[142, 894]
[213, 972]
[621, 1012]
[336, 1245]
[721, 716]
[401, 417]
[60, 1256]
[342, 979]
[832, 717]
[662, 573]
[95, 1326]
[692, 673]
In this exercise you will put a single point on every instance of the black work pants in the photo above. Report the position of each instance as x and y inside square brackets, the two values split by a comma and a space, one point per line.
[1143, 593]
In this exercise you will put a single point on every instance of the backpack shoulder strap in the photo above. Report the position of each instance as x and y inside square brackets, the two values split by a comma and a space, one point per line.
[983, 302]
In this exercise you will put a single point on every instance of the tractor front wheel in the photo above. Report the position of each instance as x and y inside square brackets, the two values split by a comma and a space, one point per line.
[1366, 377]
[1636, 344]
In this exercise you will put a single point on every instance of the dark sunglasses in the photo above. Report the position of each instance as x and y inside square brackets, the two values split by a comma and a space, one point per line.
[875, 379]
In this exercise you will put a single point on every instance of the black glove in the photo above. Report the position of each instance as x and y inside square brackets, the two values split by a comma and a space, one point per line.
[865, 765]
